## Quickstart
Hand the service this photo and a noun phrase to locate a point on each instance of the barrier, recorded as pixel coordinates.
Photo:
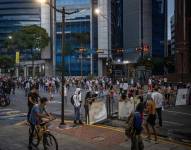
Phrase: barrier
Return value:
(126, 107)
(97, 112)
(182, 97)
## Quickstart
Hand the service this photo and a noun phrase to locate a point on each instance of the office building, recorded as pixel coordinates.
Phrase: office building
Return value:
(183, 36)
(152, 28)
(172, 27)
(15, 14)
(77, 36)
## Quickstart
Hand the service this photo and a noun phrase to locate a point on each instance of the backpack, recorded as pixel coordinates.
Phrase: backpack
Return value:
(72, 99)
(129, 129)
(134, 124)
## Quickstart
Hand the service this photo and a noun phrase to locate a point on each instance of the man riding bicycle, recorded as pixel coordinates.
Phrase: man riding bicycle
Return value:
(37, 114)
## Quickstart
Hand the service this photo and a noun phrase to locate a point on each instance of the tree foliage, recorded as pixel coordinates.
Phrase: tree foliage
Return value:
(6, 62)
(29, 37)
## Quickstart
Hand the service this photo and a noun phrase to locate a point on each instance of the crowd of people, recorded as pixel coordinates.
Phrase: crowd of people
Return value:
(153, 98)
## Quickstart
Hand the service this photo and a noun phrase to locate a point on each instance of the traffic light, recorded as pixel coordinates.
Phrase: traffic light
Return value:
(146, 48)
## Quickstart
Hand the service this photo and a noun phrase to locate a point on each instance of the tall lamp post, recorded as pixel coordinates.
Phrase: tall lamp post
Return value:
(62, 11)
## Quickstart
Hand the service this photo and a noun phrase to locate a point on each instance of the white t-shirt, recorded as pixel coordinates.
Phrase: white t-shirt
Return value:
(158, 99)
(125, 86)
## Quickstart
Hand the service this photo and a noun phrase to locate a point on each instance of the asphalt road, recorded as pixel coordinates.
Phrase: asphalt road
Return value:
(177, 122)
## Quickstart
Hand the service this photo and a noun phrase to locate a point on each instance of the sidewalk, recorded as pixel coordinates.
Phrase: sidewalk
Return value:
(85, 137)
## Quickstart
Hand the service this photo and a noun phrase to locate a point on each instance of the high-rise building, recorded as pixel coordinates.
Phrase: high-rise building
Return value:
(131, 24)
(172, 25)
(151, 29)
(15, 14)
(110, 34)
(77, 36)
(183, 36)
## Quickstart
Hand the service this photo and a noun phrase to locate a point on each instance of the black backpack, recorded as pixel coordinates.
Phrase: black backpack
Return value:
(72, 100)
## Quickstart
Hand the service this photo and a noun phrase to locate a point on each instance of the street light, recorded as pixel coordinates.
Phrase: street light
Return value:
(97, 11)
(10, 37)
(62, 11)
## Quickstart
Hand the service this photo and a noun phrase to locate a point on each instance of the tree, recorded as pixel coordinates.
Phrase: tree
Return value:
(6, 62)
(28, 38)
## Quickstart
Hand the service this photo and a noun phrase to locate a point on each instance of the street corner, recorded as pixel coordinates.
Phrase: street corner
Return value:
(100, 136)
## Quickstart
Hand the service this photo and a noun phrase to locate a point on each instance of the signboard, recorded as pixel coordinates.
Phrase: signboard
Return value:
(127, 107)
(97, 112)
(182, 97)
(17, 58)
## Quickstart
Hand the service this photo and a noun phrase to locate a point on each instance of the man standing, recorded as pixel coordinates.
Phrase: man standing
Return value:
(32, 100)
(125, 87)
(158, 99)
(77, 105)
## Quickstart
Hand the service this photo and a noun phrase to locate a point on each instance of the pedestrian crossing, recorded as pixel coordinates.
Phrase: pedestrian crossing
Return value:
(9, 113)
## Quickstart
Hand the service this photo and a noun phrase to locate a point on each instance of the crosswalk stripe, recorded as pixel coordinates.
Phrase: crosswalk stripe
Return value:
(8, 113)
(5, 109)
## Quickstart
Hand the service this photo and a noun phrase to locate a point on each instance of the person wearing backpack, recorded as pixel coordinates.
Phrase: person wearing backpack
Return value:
(134, 129)
(76, 102)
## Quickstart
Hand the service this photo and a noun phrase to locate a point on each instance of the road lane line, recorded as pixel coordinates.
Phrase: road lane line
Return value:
(174, 123)
(177, 112)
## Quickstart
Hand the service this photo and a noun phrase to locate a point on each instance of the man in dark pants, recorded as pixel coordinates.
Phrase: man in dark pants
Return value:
(32, 100)
(159, 100)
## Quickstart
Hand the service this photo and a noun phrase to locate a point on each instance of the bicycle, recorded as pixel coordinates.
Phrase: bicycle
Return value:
(41, 133)
(4, 100)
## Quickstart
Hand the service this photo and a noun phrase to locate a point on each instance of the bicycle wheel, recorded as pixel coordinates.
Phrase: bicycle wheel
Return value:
(8, 101)
(3, 102)
(36, 137)
(49, 142)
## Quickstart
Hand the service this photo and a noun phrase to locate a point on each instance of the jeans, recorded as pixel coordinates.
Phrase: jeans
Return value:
(137, 142)
(31, 134)
(159, 114)
(29, 112)
(77, 113)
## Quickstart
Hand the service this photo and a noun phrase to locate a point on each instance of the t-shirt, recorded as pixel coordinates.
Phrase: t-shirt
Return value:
(151, 108)
(34, 119)
(34, 97)
(158, 99)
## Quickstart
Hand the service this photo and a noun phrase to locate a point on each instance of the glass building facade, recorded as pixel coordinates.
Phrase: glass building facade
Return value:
(77, 35)
(15, 14)
(158, 28)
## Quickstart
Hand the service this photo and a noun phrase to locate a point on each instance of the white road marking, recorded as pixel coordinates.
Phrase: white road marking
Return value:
(55, 102)
(5, 109)
(173, 123)
(10, 114)
(177, 112)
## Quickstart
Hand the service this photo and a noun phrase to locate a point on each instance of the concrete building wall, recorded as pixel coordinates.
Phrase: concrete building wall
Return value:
(48, 23)
(182, 34)
(104, 33)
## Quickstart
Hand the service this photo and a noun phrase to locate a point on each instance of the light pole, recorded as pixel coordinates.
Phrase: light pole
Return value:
(62, 11)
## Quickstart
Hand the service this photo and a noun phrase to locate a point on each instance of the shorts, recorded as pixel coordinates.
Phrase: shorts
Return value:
(151, 119)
